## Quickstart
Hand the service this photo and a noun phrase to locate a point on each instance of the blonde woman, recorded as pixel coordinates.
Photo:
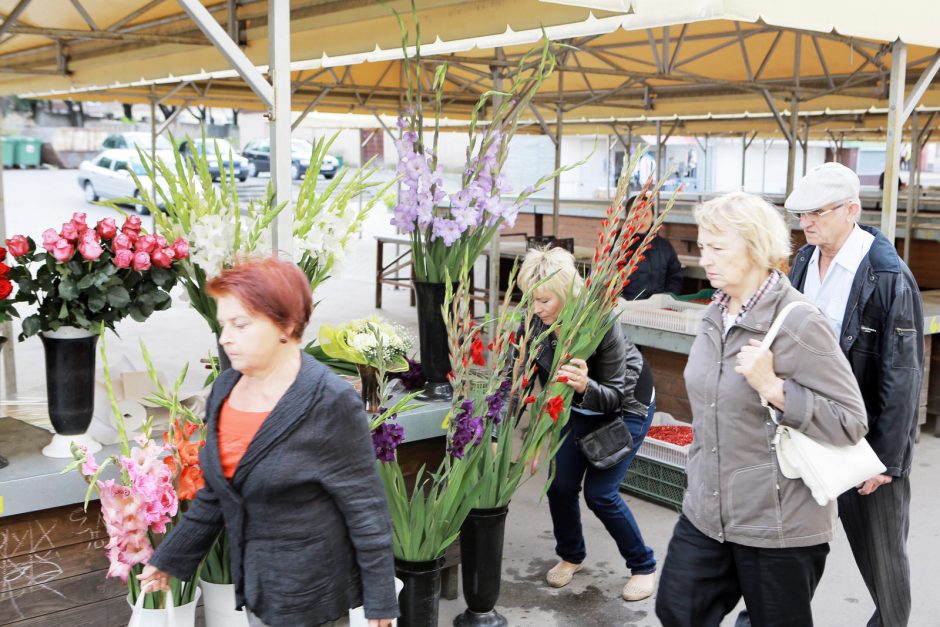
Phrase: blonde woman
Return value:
(614, 382)
(745, 529)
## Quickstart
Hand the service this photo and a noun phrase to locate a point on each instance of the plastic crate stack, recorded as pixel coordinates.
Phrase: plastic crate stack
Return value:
(658, 472)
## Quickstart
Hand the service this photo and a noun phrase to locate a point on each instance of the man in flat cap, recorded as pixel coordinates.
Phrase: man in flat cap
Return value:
(854, 275)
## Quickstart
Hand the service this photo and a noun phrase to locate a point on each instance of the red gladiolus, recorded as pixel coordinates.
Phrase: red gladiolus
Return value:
(18, 245)
(450, 375)
(529, 400)
(588, 282)
(476, 352)
(512, 337)
(190, 482)
(525, 382)
(563, 379)
(555, 406)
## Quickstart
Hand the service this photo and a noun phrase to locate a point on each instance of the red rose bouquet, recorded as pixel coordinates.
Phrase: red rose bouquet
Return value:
(6, 289)
(83, 275)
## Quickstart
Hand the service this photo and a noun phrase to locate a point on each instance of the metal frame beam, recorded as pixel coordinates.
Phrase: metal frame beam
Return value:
(240, 62)
(103, 35)
(889, 201)
(921, 87)
(11, 18)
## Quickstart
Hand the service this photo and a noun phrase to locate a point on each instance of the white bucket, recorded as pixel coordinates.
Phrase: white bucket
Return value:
(182, 616)
(219, 604)
(357, 615)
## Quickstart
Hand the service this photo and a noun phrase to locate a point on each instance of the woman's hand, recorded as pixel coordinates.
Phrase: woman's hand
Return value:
(756, 365)
(380, 622)
(575, 374)
(153, 579)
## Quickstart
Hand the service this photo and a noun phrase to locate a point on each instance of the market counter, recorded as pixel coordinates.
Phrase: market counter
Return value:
(667, 353)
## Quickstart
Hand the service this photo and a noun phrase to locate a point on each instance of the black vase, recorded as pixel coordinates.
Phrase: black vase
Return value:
(432, 336)
(70, 386)
(481, 564)
(420, 598)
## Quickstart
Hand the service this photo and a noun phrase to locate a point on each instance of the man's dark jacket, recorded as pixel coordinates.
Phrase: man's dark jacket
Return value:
(305, 512)
(659, 273)
(883, 337)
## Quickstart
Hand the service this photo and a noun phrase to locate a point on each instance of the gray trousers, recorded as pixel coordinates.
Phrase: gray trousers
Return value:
(254, 621)
(877, 526)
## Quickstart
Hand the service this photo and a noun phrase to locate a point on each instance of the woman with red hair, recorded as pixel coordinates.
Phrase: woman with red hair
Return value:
(289, 469)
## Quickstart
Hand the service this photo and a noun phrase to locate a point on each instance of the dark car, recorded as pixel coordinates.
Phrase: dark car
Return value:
(258, 153)
(239, 164)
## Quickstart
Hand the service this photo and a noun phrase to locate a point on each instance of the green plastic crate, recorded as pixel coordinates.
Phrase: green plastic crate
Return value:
(28, 150)
(656, 481)
(8, 145)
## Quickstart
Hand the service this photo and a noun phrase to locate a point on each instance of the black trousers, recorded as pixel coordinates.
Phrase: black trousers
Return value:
(703, 579)
(877, 526)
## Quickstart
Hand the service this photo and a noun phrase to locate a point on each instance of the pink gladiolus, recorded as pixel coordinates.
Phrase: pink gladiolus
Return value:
(145, 244)
(89, 466)
(126, 526)
(18, 245)
(180, 248)
(63, 250)
(107, 228)
(122, 242)
(162, 258)
(70, 231)
(123, 258)
(141, 261)
(89, 248)
(49, 238)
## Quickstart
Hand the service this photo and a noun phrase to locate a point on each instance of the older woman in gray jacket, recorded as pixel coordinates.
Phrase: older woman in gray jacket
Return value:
(745, 529)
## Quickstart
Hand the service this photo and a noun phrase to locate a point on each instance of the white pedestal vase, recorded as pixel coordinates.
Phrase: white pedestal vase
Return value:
(219, 604)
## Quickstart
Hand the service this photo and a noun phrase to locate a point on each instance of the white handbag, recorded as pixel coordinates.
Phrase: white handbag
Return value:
(826, 469)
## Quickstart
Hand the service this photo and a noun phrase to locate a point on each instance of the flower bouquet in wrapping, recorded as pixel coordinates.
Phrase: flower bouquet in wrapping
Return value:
(153, 486)
(7, 311)
(497, 409)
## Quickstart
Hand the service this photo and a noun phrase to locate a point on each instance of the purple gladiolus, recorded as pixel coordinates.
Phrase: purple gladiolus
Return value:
(448, 230)
(467, 430)
(386, 438)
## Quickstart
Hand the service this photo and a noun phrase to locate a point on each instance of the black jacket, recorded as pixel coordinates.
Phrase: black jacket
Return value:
(883, 337)
(305, 512)
(659, 273)
(620, 379)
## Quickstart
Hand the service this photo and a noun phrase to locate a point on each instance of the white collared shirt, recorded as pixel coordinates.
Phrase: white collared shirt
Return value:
(831, 294)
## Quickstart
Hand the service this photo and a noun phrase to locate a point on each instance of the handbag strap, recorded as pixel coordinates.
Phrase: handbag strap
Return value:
(772, 335)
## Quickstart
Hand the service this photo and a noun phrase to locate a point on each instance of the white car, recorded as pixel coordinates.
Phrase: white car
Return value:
(109, 176)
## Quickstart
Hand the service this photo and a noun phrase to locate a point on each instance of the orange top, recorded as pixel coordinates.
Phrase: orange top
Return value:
(237, 428)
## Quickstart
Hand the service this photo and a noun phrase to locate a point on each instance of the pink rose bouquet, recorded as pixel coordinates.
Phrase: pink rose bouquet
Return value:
(83, 275)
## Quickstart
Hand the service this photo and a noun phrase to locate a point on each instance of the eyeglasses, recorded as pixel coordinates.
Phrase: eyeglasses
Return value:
(815, 215)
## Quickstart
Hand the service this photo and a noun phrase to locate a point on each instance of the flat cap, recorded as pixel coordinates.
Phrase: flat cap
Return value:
(825, 184)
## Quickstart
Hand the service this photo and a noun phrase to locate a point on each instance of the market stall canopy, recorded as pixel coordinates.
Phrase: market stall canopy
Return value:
(714, 65)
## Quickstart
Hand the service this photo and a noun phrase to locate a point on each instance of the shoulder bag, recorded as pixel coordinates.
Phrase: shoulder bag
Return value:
(607, 445)
(826, 469)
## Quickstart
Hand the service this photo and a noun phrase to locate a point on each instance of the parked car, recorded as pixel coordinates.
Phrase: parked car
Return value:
(133, 140)
(258, 153)
(239, 164)
(109, 176)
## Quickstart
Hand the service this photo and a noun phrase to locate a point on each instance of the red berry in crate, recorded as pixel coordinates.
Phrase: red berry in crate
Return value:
(679, 435)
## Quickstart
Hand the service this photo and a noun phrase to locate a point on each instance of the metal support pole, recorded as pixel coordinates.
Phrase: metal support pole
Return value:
(153, 129)
(912, 191)
(6, 329)
(704, 168)
(659, 161)
(805, 146)
(493, 300)
(279, 62)
(744, 144)
(889, 201)
(793, 141)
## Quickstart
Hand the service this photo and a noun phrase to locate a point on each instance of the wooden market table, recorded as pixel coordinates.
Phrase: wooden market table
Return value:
(52, 552)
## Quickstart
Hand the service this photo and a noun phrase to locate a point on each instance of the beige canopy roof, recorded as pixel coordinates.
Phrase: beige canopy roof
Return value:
(714, 66)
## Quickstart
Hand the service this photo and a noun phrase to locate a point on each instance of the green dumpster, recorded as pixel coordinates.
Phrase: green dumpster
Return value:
(339, 162)
(28, 150)
(8, 146)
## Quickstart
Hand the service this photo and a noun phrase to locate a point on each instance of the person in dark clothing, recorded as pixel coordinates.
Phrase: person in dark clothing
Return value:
(661, 271)
(289, 469)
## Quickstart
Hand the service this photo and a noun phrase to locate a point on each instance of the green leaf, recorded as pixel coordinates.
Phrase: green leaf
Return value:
(87, 281)
(96, 302)
(68, 290)
(118, 297)
(31, 325)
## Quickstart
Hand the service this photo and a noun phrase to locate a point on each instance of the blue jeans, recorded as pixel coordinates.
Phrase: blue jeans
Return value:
(602, 494)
